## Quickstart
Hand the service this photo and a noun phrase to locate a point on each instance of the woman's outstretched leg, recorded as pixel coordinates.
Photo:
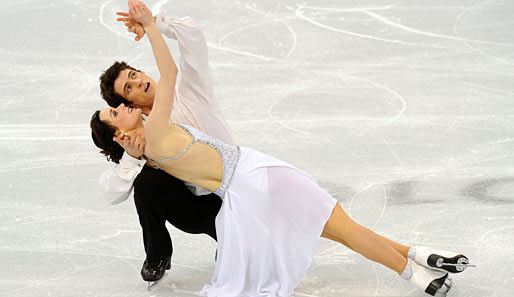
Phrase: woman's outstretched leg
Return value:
(328, 236)
(400, 248)
(342, 228)
(296, 191)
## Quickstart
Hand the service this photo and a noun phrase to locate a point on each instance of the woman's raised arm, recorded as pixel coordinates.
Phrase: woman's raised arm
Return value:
(158, 119)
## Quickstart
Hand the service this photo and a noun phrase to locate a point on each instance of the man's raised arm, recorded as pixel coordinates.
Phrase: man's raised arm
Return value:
(195, 81)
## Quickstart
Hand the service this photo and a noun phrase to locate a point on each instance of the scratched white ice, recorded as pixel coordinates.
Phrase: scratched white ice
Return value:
(403, 110)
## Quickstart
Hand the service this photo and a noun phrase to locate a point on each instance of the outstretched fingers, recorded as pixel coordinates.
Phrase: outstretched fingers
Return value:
(128, 19)
(132, 142)
(132, 10)
(139, 12)
(140, 143)
(119, 139)
(135, 9)
(143, 6)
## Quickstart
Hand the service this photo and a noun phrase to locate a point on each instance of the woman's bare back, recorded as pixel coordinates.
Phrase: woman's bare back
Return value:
(200, 164)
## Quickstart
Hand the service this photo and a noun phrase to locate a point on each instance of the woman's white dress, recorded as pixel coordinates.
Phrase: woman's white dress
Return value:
(269, 224)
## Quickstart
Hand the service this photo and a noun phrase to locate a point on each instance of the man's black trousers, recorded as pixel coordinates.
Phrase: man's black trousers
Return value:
(160, 197)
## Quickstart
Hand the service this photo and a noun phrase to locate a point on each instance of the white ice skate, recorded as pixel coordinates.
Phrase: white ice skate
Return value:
(432, 282)
(439, 260)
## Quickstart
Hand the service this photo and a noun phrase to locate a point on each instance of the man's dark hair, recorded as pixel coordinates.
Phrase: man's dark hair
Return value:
(102, 134)
(107, 84)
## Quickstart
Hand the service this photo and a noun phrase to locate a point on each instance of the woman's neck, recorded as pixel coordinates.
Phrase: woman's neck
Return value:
(140, 130)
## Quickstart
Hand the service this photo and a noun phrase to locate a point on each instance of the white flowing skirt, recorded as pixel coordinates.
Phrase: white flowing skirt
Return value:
(268, 228)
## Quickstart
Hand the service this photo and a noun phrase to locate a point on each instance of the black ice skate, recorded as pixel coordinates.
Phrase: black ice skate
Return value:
(432, 282)
(152, 272)
(440, 260)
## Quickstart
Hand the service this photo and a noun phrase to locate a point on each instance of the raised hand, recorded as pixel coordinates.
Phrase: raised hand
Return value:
(132, 25)
(132, 142)
(140, 12)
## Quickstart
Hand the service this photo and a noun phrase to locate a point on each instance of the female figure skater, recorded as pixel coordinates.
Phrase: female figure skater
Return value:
(273, 214)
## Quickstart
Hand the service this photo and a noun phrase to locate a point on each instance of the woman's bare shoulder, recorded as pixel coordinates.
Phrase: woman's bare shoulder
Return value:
(167, 143)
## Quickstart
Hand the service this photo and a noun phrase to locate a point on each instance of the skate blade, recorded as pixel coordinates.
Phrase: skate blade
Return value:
(455, 264)
(445, 288)
(151, 285)
(459, 265)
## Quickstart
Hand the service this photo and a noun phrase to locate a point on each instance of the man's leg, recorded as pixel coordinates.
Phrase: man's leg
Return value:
(194, 214)
(152, 215)
(210, 207)
(150, 202)
(160, 197)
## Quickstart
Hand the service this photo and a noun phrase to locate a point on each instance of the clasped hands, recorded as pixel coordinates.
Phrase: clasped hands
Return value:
(129, 18)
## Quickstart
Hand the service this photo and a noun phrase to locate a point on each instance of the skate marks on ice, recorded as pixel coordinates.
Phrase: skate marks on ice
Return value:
(314, 15)
(476, 13)
(277, 46)
(494, 191)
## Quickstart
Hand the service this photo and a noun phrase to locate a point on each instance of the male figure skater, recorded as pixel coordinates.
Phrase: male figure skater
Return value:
(158, 196)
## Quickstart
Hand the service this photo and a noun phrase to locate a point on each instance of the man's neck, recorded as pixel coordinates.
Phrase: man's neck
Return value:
(146, 110)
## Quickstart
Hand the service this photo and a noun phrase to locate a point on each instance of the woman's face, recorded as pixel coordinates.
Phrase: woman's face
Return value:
(122, 118)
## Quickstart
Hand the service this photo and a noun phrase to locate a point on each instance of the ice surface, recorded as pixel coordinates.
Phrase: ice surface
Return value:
(402, 110)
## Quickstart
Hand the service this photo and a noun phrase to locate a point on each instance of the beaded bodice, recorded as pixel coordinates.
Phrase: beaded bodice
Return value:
(229, 155)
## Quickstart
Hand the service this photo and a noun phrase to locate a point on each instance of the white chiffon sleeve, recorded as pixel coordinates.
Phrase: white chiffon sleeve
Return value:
(116, 183)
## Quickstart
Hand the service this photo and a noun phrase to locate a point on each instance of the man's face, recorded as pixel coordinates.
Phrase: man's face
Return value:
(136, 87)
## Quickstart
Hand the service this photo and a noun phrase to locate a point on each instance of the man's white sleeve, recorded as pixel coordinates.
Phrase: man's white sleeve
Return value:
(195, 79)
(116, 184)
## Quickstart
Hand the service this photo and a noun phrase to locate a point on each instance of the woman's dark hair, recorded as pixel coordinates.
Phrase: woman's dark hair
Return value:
(102, 134)
(107, 84)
